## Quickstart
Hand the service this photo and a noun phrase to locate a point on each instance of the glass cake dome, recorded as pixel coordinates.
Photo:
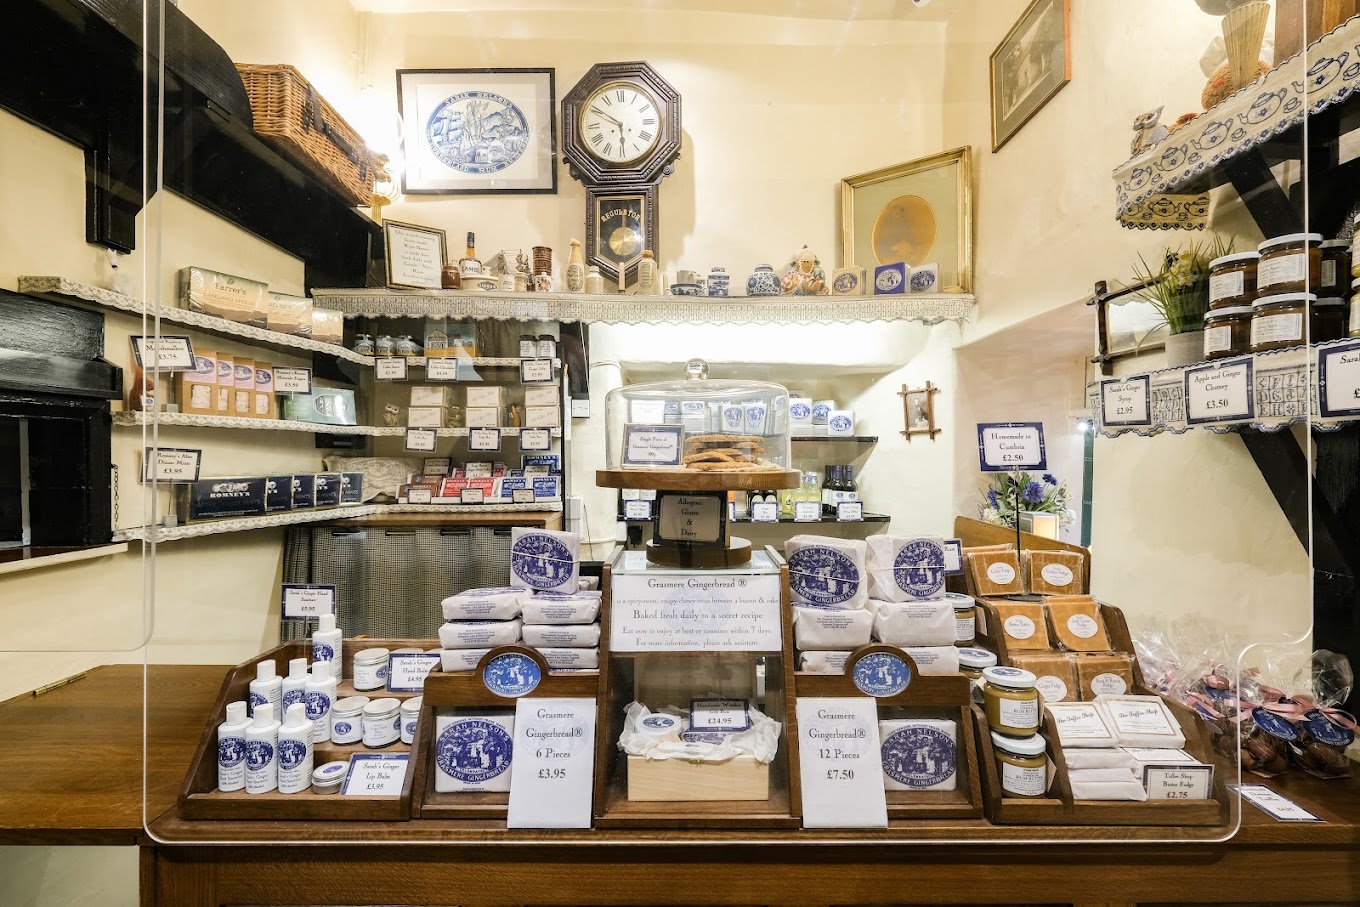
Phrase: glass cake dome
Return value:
(699, 426)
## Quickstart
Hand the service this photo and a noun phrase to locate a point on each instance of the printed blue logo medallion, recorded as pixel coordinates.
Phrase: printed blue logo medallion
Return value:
(800, 412)
(660, 722)
(881, 674)
(823, 575)
(343, 727)
(322, 652)
(888, 280)
(511, 674)
(1324, 731)
(922, 281)
(820, 411)
(919, 569)
(477, 132)
(318, 704)
(541, 561)
(1274, 725)
(473, 750)
(845, 283)
(291, 753)
(231, 751)
(259, 753)
(289, 698)
(257, 700)
(919, 756)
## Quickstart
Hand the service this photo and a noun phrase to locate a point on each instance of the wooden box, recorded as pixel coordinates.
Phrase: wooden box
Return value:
(466, 689)
(679, 780)
(200, 798)
(927, 696)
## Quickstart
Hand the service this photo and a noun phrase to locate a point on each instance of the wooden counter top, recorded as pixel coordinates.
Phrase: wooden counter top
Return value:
(71, 756)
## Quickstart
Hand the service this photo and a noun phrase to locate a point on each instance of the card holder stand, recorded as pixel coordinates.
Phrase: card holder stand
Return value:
(622, 674)
(1060, 808)
(200, 799)
(926, 696)
(468, 690)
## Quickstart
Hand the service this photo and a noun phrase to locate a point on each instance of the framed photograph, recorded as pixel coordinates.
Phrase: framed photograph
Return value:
(918, 411)
(415, 257)
(478, 131)
(920, 212)
(1030, 66)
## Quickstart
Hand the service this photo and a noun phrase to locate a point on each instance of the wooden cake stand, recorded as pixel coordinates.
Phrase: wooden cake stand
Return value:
(691, 528)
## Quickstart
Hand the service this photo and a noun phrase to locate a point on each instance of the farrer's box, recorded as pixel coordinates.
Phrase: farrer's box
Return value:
(224, 296)
(482, 416)
(325, 405)
(540, 395)
(492, 395)
(426, 416)
(212, 499)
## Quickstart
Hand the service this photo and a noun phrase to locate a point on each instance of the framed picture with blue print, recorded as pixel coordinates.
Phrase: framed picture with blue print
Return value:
(478, 131)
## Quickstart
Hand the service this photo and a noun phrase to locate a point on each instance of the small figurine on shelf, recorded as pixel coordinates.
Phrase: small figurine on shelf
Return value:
(1148, 130)
(804, 276)
(391, 414)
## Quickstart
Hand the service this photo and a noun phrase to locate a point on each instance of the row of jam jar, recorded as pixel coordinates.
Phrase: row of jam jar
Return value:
(1259, 301)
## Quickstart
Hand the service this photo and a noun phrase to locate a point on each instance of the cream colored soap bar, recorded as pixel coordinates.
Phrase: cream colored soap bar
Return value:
(1082, 725)
(1142, 721)
(425, 416)
(482, 417)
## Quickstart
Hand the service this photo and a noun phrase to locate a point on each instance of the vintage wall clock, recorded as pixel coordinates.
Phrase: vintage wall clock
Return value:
(621, 138)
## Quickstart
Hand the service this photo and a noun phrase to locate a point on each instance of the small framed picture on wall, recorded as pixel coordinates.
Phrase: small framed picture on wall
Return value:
(415, 255)
(478, 131)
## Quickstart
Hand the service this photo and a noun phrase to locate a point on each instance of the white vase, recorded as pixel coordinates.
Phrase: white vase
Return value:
(1184, 349)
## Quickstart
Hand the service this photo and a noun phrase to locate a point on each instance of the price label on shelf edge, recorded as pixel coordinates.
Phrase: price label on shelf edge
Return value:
(389, 368)
(1126, 402)
(1220, 392)
(1339, 381)
(440, 369)
(292, 380)
(301, 600)
(840, 763)
(1004, 446)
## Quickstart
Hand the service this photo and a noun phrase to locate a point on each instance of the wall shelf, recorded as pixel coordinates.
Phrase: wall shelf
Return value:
(62, 290)
(836, 439)
(616, 308)
(193, 420)
(330, 514)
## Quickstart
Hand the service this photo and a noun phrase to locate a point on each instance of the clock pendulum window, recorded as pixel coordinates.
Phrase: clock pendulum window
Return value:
(621, 138)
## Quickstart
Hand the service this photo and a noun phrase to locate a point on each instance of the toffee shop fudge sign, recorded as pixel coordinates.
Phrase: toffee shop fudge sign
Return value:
(695, 612)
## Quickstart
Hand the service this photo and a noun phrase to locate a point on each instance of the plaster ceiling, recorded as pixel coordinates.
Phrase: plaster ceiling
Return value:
(839, 10)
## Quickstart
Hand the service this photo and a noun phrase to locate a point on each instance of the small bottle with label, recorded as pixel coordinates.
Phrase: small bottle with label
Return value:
(295, 751)
(576, 269)
(319, 695)
(594, 281)
(295, 684)
(469, 265)
(646, 274)
(267, 687)
(829, 491)
(262, 756)
(327, 641)
(231, 748)
(849, 490)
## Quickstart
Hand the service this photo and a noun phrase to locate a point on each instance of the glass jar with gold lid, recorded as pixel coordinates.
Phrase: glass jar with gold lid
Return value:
(1011, 700)
(1022, 763)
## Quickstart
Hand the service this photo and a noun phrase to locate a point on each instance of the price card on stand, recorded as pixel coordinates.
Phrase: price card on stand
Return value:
(439, 369)
(765, 512)
(420, 438)
(1004, 446)
(292, 380)
(484, 439)
(390, 368)
(840, 763)
(807, 512)
(535, 371)
(375, 776)
(302, 601)
(637, 510)
(1339, 380)
(406, 671)
(169, 354)
(850, 512)
(1221, 392)
(690, 518)
(1178, 782)
(1126, 401)
(553, 772)
(535, 439)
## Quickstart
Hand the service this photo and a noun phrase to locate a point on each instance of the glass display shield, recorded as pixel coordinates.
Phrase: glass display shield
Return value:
(1039, 564)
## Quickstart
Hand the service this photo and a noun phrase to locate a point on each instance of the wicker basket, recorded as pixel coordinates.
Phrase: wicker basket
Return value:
(292, 116)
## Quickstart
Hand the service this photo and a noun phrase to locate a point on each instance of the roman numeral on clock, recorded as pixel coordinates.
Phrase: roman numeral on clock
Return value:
(645, 135)
(596, 139)
(609, 148)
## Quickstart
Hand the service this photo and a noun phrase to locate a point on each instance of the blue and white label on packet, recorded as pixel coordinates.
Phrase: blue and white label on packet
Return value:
(511, 674)
(231, 751)
(541, 561)
(1325, 731)
(841, 424)
(918, 569)
(920, 756)
(881, 674)
(822, 575)
(473, 750)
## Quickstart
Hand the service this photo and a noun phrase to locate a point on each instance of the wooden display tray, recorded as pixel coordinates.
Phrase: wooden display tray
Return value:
(1061, 809)
(619, 672)
(1116, 627)
(945, 696)
(698, 480)
(465, 689)
(200, 799)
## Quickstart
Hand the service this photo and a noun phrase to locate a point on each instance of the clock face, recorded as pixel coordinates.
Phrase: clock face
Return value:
(620, 123)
